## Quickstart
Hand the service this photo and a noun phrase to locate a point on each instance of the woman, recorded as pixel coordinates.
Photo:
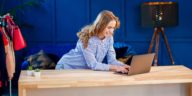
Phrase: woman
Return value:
(95, 42)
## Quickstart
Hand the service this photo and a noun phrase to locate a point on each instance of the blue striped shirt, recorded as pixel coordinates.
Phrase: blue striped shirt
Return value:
(90, 57)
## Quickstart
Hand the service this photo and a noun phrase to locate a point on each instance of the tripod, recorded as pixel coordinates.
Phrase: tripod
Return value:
(156, 36)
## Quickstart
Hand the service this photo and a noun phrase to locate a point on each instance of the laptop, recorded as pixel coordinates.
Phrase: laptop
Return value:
(141, 64)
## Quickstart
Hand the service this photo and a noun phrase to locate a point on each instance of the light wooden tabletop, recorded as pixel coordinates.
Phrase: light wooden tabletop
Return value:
(88, 78)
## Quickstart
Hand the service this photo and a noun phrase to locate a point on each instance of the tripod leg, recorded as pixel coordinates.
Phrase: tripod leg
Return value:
(156, 49)
(152, 41)
(167, 46)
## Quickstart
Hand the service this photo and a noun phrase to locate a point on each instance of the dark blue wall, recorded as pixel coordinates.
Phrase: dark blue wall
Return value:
(57, 22)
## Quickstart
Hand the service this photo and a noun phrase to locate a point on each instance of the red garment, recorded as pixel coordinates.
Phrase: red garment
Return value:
(18, 40)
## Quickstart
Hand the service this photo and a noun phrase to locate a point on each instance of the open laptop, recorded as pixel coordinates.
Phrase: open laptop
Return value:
(141, 63)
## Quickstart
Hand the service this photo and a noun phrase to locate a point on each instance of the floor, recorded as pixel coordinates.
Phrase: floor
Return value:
(6, 92)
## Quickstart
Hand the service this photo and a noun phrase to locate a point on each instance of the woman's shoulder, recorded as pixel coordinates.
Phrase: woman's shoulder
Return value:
(110, 39)
(94, 39)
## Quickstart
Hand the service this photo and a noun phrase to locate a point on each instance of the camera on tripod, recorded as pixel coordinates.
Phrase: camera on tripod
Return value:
(159, 15)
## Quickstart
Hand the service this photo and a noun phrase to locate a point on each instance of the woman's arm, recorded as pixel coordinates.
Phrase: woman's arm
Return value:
(60, 64)
(115, 64)
(89, 54)
(111, 55)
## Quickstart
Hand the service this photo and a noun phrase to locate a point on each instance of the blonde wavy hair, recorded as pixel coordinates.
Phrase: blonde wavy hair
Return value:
(98, 26)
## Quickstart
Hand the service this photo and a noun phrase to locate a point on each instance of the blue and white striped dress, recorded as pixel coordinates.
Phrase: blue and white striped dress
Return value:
(90, 57)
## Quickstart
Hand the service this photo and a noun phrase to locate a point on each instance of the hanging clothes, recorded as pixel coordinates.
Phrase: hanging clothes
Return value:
(15, 33)
(13, 40)
(9, 53)
(3, 70)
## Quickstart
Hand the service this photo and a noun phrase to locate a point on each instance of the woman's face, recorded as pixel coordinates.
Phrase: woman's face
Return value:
(108, 31)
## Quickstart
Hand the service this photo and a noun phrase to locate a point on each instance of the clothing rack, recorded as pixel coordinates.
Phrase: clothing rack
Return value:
(12, 40)
(9, 52)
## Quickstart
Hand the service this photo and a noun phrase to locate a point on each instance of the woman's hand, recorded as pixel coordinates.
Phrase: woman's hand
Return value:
(122, 69)
(127, 67)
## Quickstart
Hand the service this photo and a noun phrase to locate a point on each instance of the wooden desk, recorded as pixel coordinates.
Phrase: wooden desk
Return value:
(161, 81)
